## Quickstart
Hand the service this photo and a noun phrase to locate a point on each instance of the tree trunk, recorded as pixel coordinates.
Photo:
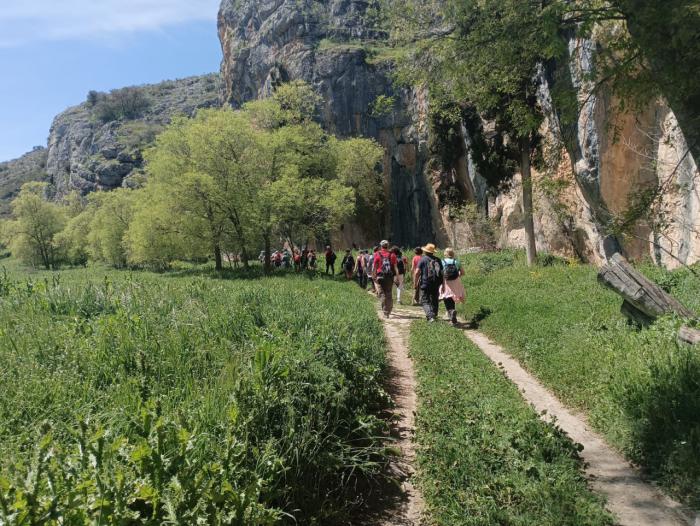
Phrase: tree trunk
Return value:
(245, 258)
(217, 257)
(531, 246)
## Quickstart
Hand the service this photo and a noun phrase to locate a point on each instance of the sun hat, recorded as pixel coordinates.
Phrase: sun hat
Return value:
(430, 248)
(384, 243)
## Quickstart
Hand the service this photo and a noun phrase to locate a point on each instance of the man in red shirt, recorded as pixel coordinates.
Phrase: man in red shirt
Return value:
(384, 272)
(416, 274)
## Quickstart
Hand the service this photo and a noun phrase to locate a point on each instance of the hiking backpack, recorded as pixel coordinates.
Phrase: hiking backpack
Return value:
(434, 274)
(385, 270)
(368, 264)
(401, 265)
(451, 271)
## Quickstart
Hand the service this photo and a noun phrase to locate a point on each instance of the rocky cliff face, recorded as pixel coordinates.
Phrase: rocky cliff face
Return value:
(605, 158)
(266, 42)
(98, 145)
(13, 174)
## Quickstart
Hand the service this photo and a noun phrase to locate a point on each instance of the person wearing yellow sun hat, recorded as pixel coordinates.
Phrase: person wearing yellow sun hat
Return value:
(431, 278)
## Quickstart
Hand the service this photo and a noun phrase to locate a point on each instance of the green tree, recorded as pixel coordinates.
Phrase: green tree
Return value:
(488, 53)
(111, 216)
(31, 235)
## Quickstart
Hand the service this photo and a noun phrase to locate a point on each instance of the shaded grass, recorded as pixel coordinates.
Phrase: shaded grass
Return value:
(638, 387)
(484, 456)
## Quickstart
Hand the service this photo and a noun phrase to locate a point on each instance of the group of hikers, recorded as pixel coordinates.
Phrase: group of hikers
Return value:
(385, 268)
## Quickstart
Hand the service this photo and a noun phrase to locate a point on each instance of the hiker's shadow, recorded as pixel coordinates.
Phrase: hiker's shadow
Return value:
(475, 321)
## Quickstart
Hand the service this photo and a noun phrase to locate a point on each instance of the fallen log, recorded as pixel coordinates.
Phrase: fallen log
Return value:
(689, 335)
(639, 292)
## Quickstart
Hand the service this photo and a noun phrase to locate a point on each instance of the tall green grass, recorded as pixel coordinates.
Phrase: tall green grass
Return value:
(484, 455)
(138, 398)
(638, 387)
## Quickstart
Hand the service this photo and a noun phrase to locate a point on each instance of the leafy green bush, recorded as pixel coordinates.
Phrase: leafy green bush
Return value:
(124, 103)
(485, 457)
(151, 399)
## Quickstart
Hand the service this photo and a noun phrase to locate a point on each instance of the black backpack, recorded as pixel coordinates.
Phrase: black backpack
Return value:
(434, 274)
(385, 270)
(349, 263)
(451, 271)
(401, 265)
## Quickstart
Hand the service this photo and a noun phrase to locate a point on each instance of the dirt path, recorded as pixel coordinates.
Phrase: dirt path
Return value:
(633, 501)
(402, 506)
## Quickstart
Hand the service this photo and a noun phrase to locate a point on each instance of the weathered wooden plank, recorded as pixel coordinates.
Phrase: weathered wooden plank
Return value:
(689, 335)
(640, 292)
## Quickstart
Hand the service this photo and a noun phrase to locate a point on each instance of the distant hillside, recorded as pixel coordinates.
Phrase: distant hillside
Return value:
(13, 174)
(98, 145)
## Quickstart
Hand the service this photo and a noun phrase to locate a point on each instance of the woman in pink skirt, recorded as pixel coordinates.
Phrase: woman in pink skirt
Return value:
(452, 289)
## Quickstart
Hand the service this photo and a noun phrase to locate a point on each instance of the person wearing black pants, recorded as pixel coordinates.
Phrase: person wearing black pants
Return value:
(430, 271)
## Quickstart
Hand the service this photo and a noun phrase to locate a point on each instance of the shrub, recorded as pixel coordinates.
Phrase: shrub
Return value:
(124, 103)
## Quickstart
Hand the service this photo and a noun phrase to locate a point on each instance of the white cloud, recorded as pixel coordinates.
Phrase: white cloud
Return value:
(25, 21)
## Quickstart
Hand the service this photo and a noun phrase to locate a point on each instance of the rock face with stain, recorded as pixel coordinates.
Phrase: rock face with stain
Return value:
(272, 41)
(607, 155)
(87, 153)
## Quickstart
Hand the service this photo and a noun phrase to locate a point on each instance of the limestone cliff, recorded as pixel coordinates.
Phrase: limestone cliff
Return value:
(271, 41)
(98, 145)
(605, 158)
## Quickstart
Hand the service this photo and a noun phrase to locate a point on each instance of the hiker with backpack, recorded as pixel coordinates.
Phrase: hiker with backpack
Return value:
(431, 279)
(348, 264)
(330, 260)
(370, 270)
(452, 289)
(401, 265)
(415, 274)
(384, 272)
(360, 269)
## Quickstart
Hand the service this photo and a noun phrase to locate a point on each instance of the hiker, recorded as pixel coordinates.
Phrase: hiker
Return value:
(297, 260)
(286, 258)
(360, 269)
(415, 273)
(312, 260)
(367, 268)
(348, 264)
(452, 289)
(330, 260)
(384, 271)
(401, 265)
(304, 258)
(370, 270)
(431, 278)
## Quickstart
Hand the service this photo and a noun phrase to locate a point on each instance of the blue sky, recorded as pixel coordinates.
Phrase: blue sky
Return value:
(52, 52)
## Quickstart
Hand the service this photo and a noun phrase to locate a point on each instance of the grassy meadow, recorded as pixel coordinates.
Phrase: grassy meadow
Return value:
(139, 398)
(485, 457)
(638, 387)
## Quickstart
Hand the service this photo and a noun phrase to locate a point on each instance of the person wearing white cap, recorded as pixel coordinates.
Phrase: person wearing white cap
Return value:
(384, 272)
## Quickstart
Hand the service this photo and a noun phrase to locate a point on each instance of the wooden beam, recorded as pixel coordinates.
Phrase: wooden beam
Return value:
(689, 335)
(640, 292)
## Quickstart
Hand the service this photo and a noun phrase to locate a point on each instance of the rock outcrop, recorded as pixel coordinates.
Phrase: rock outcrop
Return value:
(272, 41)
(605, 158)
(89, 149)
(13, 174)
